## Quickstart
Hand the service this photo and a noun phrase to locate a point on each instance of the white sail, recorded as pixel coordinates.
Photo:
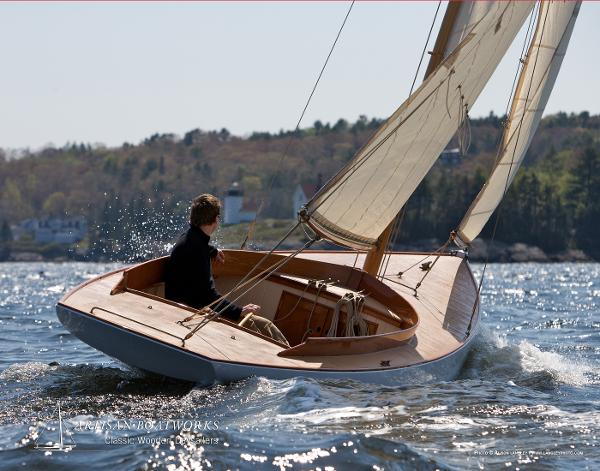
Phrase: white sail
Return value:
(357, 205)
(546, 51)
(460, 18)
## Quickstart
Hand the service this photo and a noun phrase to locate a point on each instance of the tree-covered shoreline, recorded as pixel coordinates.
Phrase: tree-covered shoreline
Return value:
(136, 196)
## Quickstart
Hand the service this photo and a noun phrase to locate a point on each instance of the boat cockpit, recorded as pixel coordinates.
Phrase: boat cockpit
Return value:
(321, 308)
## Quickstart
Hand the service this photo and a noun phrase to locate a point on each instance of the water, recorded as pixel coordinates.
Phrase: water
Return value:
(527, 398)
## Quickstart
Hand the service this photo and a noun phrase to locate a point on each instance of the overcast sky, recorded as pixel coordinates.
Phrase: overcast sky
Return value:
(118, 72)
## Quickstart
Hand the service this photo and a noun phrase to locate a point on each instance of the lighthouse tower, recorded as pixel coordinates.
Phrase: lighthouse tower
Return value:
(233, 204)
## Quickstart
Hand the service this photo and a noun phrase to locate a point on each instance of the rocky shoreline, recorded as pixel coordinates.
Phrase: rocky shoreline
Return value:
(520, 252)
(499, 252)
(480, 251)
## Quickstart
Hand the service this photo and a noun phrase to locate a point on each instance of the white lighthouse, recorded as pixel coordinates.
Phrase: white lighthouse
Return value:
(235, 210)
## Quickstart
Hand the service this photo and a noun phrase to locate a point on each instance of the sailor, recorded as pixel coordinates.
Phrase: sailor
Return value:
(188, 277)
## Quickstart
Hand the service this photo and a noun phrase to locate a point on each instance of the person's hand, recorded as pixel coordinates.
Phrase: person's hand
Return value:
(220, 257)
(248, 308)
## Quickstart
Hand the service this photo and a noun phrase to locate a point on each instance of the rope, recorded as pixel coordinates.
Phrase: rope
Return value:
(335, 319)
(252, 225)
(355, 307)
(464, 130)
(320, 286)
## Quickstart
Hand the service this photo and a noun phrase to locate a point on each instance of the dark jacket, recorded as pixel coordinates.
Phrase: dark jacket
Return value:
(188, 277)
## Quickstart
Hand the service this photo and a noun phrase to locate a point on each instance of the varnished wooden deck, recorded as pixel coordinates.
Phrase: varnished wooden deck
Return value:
(444, 304)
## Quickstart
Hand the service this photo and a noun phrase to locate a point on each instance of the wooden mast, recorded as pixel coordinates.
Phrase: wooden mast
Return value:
(437, 55)
(375, 255)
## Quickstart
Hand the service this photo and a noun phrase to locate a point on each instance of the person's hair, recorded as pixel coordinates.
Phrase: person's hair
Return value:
(205, 210)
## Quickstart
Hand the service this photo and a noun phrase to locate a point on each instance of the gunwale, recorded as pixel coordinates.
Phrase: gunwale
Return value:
(437, 335)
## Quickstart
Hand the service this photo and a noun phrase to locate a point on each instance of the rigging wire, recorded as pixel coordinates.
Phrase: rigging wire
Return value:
(399, 218)
(506, 184)
(346, 172)
(259, 278)
(529, 32)
(242, 282)
(291, 137)
(271, 270)
(520, 65)
(342, 177)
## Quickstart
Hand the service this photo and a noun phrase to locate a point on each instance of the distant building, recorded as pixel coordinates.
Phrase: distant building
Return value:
(236, 208)
(52, 230)
(304, 192)
(451, 156)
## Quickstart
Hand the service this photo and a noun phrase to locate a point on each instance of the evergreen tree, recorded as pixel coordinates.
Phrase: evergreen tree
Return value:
(584, 200)
(5, 240)
(5, 232)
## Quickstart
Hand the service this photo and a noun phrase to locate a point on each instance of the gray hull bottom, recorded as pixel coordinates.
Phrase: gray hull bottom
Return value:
(157, 357)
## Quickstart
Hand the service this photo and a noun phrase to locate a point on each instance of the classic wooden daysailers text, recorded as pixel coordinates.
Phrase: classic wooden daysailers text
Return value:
(342, 321)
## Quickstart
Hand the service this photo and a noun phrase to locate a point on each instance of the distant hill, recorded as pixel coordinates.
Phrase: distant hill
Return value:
(139, 194)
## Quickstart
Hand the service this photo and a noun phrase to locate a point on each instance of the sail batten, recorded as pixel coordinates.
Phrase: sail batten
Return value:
(356, 206)
(556, 20)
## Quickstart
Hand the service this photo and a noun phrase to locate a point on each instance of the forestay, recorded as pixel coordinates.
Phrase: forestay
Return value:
(546, 51)
(357, 205)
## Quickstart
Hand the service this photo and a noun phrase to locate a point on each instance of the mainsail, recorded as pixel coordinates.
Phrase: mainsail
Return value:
(544, 58)
(357, 205)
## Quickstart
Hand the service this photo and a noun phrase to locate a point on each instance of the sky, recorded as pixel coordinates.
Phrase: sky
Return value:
(114, 72)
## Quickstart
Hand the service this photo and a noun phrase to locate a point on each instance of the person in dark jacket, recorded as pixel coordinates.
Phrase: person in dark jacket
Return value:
(188, 277)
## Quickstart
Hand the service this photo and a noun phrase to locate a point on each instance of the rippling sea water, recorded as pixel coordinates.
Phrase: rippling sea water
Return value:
(527, 397)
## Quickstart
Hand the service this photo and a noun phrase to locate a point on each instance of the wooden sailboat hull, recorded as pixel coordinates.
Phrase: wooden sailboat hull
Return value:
(160, 358)
(141, 330)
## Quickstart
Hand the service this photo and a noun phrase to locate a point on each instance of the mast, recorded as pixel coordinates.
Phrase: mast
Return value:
(453, 26)
(358, 204)
(60, 425)
(375, 255)
(439, 50)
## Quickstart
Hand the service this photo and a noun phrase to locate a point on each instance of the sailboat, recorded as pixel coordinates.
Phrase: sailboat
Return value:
(364, 313)
(60, 446)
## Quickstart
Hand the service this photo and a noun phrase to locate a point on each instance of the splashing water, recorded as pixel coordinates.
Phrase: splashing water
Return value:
(137, 230)
(527, 398)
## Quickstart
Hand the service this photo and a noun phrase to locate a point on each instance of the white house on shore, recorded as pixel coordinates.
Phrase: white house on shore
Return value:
(52, 230)
(236, 208)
